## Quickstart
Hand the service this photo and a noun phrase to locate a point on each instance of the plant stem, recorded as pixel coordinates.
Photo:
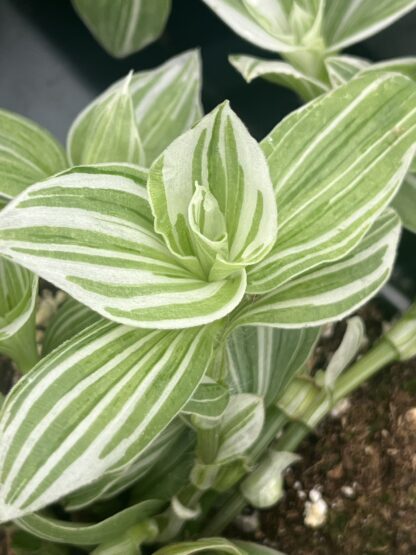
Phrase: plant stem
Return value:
(320, 405)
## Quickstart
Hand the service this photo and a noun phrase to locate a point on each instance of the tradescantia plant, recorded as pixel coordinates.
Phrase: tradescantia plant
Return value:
(309, 36)
(199, 268)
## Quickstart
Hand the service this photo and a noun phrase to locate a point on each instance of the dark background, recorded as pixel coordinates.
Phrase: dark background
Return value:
(51, 67)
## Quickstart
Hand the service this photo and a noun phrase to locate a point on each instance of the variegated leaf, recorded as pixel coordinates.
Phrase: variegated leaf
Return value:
(236, 15)
(60, 531)
(336, 163)
(167, 101)
(350, 21)
(90, 232)
(106, 131)
(28, 153)
(71, 318)
(332, 291)
(241, 425)
(112, 484)
(343, 68)
(124, 26)
(263, 360)
(212, 196)
(209, 400)
(405, 202)
(165, 104)
(18, 294)
(91, 407)
(280, 73)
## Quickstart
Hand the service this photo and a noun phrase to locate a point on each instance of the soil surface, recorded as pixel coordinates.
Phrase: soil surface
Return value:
(363, 462)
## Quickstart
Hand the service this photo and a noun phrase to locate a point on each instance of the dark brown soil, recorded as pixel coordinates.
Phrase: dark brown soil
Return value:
(364, 464)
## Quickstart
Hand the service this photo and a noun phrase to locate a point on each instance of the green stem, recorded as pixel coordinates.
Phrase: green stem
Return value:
(320, 405)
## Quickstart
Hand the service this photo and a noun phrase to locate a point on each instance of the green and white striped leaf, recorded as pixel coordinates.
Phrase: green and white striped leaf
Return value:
(107, 131)
(165, 103)
(124, 26)
(71, 318)
(280, 73)
(28, 153)
(60, 531)
(18, 294)
(342, 69)
(263, 360)
(240, 427)
(405, 202)
(91, 407)
(349, 21)
(212, 196)
(336, 163)
(209, 400)
(236, 15)
(217, 546)
(332, 291)
(112, 484)
(89, 231)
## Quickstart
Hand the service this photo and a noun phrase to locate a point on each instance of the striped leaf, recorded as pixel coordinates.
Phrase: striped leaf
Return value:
(333, 291)
(59, 531)
(106, 131)
(349, 21)
(280, 73)
(209, 400)
(112, 484)
(343, 68)
(236, 15)
(18, 294)
(71, 318)
(240, 427)
(335, 165)
(405, 202)
(89, 231)
(28, 153)
(124, 26)
(165, 104)
(91, 407)
(167, 101)
(212, 197)
(263, 360)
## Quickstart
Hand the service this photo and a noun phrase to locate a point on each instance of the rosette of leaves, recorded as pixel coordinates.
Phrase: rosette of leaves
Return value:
(309, 35)
(220, 232)
(123, 27)
(305, 33)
